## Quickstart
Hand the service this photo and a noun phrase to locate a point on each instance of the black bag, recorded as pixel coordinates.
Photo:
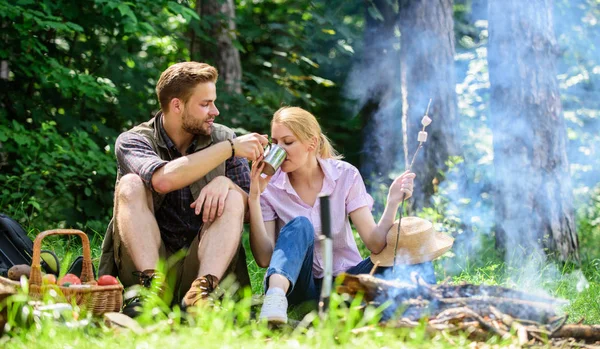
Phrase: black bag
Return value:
(17, 248)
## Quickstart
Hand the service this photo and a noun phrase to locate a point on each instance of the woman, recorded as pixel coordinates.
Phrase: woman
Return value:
(284, 214)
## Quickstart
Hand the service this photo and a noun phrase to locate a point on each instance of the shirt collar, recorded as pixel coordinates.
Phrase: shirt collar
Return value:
(281, 179)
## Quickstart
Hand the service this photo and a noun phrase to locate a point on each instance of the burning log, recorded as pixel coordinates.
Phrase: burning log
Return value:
(419, 300)
(527, 310)
(479, 310)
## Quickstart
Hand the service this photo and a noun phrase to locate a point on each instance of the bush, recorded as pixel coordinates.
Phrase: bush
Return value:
(50, 180)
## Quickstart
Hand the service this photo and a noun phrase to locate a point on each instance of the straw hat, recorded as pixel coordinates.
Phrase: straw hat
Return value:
(418, 243)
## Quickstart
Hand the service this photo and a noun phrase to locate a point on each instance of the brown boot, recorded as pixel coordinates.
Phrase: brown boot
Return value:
(150, 275)
(134, 299)
(200, 291)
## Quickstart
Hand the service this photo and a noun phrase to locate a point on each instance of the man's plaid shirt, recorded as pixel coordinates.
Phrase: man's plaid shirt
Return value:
(176, 220)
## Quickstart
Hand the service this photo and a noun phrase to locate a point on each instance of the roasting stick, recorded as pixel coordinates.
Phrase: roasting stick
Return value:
(422, 138)
(327, 255)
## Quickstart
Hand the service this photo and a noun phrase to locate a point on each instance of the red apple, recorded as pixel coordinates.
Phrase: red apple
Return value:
(107, 280)
(72, 279)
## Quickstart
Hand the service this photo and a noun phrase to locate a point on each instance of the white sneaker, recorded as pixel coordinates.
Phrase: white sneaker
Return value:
(274, 309)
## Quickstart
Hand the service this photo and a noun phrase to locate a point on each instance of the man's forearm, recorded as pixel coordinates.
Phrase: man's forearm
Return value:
(183, 171)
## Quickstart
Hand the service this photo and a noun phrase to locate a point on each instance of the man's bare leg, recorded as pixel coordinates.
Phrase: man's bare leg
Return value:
(220, 241)
(136, 223)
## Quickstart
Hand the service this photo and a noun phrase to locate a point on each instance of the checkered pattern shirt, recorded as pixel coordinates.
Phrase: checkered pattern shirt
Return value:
(176, 220)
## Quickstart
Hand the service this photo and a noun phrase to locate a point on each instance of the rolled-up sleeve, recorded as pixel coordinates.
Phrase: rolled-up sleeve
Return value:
(357, 194)
(238, 171)
(135, 155)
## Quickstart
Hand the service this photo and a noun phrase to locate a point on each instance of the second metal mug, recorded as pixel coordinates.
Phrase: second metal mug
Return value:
(273, 159)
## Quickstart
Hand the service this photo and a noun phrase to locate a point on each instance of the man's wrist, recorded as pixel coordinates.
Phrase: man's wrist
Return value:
(232, 148)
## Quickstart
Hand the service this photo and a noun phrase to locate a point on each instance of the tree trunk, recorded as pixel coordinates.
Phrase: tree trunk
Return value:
(218, 22)
(532, 194)
(382, 129)
(427, 68)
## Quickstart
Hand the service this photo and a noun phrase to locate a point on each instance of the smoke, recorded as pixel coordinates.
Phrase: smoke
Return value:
(473, 199)
(373, 84)
(375, 74)
(464, 199)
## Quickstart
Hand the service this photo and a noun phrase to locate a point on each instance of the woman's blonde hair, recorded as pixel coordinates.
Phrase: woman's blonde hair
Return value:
(305, 126)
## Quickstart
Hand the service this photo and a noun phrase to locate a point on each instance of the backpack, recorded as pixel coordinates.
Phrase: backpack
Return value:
(17, 248)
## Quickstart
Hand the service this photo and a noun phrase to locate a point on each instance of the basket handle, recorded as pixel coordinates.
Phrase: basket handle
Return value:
(35, 278)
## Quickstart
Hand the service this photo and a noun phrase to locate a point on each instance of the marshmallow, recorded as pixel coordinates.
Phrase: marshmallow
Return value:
(426, 121)
(422, 136)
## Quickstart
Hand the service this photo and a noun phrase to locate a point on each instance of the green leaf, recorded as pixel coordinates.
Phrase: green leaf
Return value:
(346, 47)
(239, 46)
(184, 11)
(75, 27)
(20, 139)
(35, 204)
(148, 28)
(394, 5)
(322, 81)
(375, 13)
(307, 60)
(126, 11)
(87, 191)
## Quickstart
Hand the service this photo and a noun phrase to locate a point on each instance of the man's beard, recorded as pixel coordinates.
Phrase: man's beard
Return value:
(193, 126)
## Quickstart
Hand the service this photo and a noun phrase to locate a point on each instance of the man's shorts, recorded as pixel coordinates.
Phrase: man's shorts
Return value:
(182, 267)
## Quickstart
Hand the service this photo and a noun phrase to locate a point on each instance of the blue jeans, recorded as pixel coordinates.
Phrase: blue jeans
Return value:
(293, 259)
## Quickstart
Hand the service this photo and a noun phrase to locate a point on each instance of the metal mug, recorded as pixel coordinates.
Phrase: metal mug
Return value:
(273, 159)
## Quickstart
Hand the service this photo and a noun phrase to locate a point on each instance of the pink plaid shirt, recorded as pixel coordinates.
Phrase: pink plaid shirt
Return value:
(346, 189)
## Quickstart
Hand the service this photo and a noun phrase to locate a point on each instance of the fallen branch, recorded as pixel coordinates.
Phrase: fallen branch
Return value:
(588, 333)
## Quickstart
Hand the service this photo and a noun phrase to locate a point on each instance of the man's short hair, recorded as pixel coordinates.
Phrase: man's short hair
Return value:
(180, 79)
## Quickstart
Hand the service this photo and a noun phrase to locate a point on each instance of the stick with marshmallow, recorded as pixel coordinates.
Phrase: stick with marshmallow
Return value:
(422, 137)
(422, 134)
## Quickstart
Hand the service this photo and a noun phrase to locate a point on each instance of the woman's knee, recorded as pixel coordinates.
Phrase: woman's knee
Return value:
(300, 227)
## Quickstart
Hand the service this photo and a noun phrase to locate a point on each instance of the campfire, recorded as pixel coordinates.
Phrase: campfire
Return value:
(480, 311)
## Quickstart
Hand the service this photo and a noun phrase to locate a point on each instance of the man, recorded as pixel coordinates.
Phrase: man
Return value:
(182, 183)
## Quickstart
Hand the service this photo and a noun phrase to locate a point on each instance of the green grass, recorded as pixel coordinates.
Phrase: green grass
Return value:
(232, 323)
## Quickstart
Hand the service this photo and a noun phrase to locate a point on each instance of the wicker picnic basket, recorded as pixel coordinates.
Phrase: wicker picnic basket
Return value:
(5, 292)
(88, 295)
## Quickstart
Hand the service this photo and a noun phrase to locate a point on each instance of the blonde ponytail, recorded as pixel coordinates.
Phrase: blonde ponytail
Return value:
(326, 150)
(305, 127)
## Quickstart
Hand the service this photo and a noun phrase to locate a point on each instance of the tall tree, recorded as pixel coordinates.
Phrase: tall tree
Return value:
(427, 69)
(218, 28)
(532, 195)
